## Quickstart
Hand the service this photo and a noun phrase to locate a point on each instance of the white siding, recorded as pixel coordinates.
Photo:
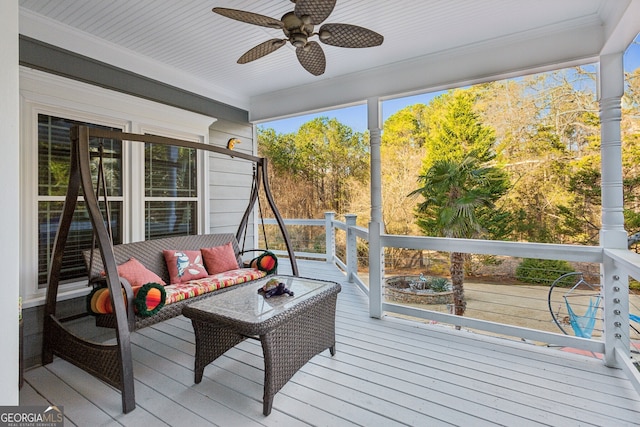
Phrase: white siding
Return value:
(230, 180)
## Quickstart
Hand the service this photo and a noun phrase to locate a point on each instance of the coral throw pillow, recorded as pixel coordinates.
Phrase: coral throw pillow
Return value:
(137, 274)
(184, 265)
(219, 259)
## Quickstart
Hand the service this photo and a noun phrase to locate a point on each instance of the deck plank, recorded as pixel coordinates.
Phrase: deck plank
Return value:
(390, 371)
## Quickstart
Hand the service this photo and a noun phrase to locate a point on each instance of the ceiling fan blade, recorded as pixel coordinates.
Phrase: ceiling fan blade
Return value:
(312, 58)
(261, 50)
(317, 10)
(249, 17)
(346, 35)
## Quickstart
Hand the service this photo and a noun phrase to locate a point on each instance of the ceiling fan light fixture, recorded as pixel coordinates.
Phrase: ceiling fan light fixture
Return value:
(298, 39)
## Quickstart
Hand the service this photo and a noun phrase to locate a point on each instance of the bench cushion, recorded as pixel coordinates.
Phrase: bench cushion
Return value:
(193, 288)
(149, 252)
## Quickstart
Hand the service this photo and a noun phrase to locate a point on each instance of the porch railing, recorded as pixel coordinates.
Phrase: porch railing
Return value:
(616, 268)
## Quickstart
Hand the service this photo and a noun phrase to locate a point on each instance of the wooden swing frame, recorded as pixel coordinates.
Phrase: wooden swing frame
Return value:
(113, 363)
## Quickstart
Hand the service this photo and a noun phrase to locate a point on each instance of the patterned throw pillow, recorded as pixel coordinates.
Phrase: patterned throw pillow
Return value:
(137, 274)
(219, 259)
(184, 265)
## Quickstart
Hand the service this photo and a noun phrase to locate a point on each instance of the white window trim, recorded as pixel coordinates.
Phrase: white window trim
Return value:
(138, 194)
(43, 93)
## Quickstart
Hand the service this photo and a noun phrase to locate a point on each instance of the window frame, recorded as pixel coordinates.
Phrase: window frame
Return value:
(141, 235)
(43, 93)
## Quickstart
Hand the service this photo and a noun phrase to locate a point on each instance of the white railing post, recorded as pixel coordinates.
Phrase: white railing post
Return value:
(376, 251)
(330, 236)
(615, 283)
(376, 269)
(351, 247)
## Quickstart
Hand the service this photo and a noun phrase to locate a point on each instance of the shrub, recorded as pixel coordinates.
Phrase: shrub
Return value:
(439, 284)
(543, 271)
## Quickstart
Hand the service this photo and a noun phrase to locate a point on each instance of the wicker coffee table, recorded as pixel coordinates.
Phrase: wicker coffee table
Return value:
(291, 329)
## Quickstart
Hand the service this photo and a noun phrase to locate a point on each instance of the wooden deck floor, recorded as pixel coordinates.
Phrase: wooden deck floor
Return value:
(385, 373)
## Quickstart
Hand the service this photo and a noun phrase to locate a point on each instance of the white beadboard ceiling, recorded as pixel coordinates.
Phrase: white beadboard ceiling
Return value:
(428, 44)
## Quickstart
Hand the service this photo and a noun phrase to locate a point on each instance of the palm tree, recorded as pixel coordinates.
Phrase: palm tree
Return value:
(459, 196)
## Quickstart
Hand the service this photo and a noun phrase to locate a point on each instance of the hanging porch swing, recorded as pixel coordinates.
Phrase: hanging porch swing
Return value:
(113, 363)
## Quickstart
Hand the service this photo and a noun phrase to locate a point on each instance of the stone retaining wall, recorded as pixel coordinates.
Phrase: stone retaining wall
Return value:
(408, 296)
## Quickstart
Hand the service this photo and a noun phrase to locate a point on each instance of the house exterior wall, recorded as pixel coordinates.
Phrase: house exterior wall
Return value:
(54, 89)
(230, 180)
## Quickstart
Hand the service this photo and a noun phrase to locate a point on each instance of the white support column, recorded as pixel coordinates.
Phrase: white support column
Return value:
(376, 251)
(351, 247)
(10, 196)
(612, 234)
(330, 236)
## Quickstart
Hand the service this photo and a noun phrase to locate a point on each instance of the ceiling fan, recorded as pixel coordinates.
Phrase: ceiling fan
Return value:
(298, 27)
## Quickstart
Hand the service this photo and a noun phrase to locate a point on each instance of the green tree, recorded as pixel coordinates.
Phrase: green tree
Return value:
(547, 133)
(402, 150)
(458, 194)
(454, 129)
(323, 158)
(460, 182)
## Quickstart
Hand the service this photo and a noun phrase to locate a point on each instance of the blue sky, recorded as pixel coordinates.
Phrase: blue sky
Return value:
(356, 116)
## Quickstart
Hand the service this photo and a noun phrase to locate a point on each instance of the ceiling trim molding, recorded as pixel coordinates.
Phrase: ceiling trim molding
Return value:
(53, 33)
(472, 64)
(52, 59)
(624, 32)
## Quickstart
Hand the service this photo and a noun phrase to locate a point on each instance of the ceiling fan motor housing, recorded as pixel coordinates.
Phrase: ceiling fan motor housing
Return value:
(297, 30)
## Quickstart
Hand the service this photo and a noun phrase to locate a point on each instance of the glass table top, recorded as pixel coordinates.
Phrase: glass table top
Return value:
(244, 303)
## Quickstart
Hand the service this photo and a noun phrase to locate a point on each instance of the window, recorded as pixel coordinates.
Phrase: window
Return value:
(170, 190)
(54, 151)
(152, 190)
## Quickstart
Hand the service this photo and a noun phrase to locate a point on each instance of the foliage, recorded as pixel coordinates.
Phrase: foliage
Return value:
(541, 133)
(542, 271)
(455, 130)
(547, 133)
(427, 283)
(324, 158)
(439, 284)
(402, 146)
(454, 193)
(459, 185)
